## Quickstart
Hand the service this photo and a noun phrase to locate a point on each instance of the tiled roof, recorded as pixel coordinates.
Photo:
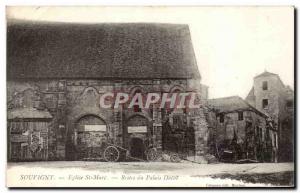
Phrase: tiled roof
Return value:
(28, 113)
(118, 50)
(230, 104)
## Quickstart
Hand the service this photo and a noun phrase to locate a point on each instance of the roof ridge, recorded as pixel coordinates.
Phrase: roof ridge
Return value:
(246, 102)
(266, 73)
(233, 96)
(46, 22)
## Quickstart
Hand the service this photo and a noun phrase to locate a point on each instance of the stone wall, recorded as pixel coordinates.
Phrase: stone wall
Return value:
(249, 138)
(70, 100)
(272, 94)
(277, 95)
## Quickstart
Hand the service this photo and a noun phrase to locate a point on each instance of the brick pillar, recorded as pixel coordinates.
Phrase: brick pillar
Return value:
(201, 129)
(157, 127)
(117, 127)
(118, 118)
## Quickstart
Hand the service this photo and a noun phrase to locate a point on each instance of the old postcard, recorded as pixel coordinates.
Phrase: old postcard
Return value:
(150, 96)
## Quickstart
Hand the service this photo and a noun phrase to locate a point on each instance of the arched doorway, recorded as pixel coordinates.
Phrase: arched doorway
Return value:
(138, 136)
(137, 147)
(89, 137)
(177, 137)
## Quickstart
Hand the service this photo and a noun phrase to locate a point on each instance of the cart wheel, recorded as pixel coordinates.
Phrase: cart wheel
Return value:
(111, 154)
(152, 154)
(175, 158)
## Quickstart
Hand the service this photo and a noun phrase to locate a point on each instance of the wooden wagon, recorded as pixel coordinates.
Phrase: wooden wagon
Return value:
(115, 153)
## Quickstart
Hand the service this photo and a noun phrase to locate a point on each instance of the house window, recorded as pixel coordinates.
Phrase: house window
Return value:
(265, 103)
(265, 85)
(221, 118)
(289, 104)
(241, 116)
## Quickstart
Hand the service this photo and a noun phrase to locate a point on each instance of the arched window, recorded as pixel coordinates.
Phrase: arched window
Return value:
(136, 108)
(176, 90)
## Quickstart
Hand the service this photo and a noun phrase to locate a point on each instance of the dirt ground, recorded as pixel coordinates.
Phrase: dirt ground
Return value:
(274, 174)
(277, 179)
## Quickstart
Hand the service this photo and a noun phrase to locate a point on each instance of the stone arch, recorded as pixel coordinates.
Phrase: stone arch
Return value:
(89, 135)
(84, 117)
(136, 88)
(133, 91)
(79, 110)
(89, 88)
(89, 96)
(139, 115)
(137, 135)
(86, 142)
(90, 118)
(175, 88)
(22, 99)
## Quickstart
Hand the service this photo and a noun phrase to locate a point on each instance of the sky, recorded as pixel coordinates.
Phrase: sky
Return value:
(232, 44)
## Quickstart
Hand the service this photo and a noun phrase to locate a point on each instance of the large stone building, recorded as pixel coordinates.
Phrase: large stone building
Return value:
(272, 97)
(241, 131)
(56, 73)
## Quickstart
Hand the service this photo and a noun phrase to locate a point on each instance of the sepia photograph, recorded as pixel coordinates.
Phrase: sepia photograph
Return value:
(153, 96)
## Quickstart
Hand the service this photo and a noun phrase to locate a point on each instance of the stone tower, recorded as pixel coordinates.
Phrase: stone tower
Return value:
(271, 96)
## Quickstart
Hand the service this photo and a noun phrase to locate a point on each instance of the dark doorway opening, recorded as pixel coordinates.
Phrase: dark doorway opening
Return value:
(137, 148)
